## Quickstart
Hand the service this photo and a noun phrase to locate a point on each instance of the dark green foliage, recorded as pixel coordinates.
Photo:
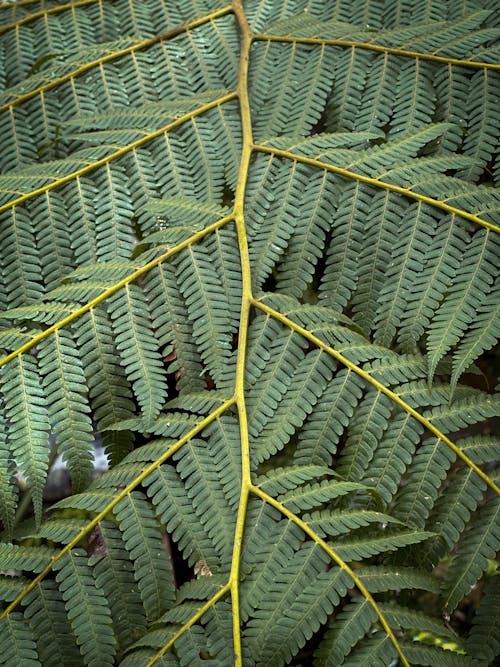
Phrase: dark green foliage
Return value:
(272, 295)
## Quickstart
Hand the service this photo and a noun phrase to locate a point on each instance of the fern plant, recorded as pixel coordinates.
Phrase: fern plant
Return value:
(253, 247)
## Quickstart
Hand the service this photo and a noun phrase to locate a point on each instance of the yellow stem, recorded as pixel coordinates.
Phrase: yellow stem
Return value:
(376, 47)
(44, 12)
(122, 151)
(114, 288)
(196, 617)
(116, 499)
(382, 388)
(378, 184)
(139, 46)
(246, 297)
(337, 559)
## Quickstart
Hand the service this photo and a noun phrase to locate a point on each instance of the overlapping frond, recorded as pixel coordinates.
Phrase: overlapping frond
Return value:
(250, 248)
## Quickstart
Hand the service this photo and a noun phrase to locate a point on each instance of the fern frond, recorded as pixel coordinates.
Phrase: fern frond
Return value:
(482, 449)
(221, 435)
(482, 335)
(26, 412)
(109, 390)
(421, 654)
(472, 286)
(138, 349)
(308, 496)
(383, 578)
(441, 264)
(470, 561)
(366, 430)
(285, 354)
(237, 242)
(407, 259)
(453, 507)
(268, 555)
(341, 271)
(282, 480)
(482, 127)
(424, 477)
(306, 245)
(143, 540)
(322, 431)
(114, 574)
(207, 308)
(392, 456)
(349, 626)
(483, 641)
(19, 261)
(11, 587)
(46, 616)
(203, 481)
(31, 559)
(291, 611)
(373, 651)
(16, 642)
(175, 511)
(87, 609)
(406, 618)
(358, 548)
(63, 378)
(8, 485)
(310, 380)
(276, 108)
(173, 329)
(327, 523)
(464, 411)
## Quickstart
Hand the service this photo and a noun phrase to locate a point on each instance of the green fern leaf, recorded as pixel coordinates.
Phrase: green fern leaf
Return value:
(481, 134)
(331, 414)
(174, 329)
(481, 449)
(203, 482)
(143, 540)
(8, 486)
(374, 651)
(403, 617)
(421, 654)
(87, 609)
(366, 428)
(392, 456)
(63, 376)
(298, 608)
(453, 507)
(16, 642)
(481, 336)
(308, 496)
(358, 548)
(47, 619)
(31, 559)
(349, 626)
(25, 409)
(455, 313)
(309, 381)
(327, 523)
(109, 390)
(483, 640)
(470, 560)
(138, 349)
(424, 477)
(207, 308)
(381, 578)
(249, 247)
(174, 509)
(407, 260)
